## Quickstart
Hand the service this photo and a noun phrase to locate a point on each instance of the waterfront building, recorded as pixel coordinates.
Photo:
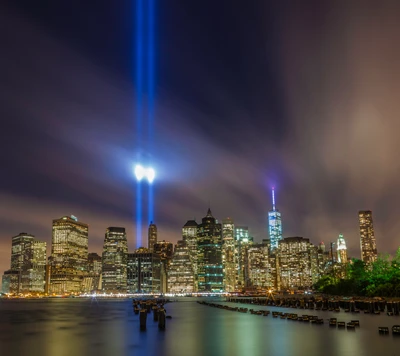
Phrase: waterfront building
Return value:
(151, 236)
(10, 282)
(114, 260)
(260, 269)
(28, 263)
(189, 235)
(274, 224)
(295, 263)
(229, 255)
(243, 240)
(369, 252)
(69, 253)
(209, 255)
(95, 269)
(144, 271)
(180, 271)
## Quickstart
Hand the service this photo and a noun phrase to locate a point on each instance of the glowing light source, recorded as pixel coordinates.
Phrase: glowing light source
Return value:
(143, 172)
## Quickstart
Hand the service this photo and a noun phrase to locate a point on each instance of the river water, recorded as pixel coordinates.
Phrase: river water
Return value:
(73, 327)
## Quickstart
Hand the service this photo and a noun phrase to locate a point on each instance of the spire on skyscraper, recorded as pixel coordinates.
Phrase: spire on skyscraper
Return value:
(273, 199)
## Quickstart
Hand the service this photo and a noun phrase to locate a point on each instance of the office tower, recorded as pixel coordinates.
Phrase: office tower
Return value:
(274, 224)
(209, 255)
(295, 265)
(321, 246)
(144, 271)
(369, 253)
(69, 255)
(243, 240)
(11, 282)
(28, 263)
(94, 273)
(341, 249)
(180, 271)
(261, 268)
(189, 235)
(152, 236)
(229, 255)
(114, 259)
(165, 249)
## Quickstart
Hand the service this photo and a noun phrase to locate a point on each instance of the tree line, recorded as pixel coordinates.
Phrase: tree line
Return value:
(380, 279)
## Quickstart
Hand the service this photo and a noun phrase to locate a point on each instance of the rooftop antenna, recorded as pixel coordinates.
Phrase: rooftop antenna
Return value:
(273, 199)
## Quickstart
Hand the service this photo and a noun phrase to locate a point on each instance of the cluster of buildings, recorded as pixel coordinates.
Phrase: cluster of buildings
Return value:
(211, 256)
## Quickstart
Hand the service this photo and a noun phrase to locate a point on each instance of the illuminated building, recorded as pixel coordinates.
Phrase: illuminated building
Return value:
(69, 254)
(165, 249)
(95, 268)
(261, 272)
(274, 224)
(209, 255)
(144, 272)
(189, 235)
(180, 271)
(229, 255)
(369, 252)
(152, 236)
(243, 241)
(28, 264)
(341, 249)
(295, 264)
(114, 269)
(10, 282)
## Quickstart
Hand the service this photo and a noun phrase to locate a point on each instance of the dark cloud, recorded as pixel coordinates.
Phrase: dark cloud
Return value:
(304, 98)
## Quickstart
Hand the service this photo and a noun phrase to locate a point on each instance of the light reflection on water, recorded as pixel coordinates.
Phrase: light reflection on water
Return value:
(58, 327)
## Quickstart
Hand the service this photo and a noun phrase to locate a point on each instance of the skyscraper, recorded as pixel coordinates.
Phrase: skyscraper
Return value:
(369, 252)
(152, 236)
(243, 241)
(144, 271)
(274, 224)
(209, 255)
(180, 272)
(295, 264)
(341, 249)
(28, 263)
(114, 271)
(229, 255)
(69, 255)
(189, 235)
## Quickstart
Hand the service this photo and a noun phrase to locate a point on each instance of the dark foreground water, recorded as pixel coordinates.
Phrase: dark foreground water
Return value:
(73, 327)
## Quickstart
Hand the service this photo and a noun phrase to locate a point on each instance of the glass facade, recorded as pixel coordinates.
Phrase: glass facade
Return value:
(144, 272)
(341, 249)
(69, 254)
(229, 255)
(151, 236)
(180, 272)
(114, 258)
(369, 252)
(295, 263)
(209, 255)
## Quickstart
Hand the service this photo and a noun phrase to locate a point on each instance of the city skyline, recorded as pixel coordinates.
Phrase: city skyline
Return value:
(295, 119)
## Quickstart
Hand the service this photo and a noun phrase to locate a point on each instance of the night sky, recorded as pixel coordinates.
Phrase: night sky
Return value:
(249, 94)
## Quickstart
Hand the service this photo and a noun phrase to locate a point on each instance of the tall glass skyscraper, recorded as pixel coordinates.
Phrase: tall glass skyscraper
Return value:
(69, 255)
(115, 248)
(341, 249)
(369, 253)
(274, 224)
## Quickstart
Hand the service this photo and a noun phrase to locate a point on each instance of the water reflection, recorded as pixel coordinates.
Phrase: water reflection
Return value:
(109, 327)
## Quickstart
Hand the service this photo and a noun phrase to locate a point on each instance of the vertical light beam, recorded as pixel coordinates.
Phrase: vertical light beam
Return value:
(139, 110)
(150, 95)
